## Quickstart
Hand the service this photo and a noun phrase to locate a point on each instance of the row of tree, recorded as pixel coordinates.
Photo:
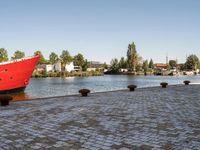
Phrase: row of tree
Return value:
(64, 58)
(192, 63)
(134, 63)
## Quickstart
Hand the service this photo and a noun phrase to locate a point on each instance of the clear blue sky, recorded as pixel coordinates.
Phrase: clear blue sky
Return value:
(102, 29)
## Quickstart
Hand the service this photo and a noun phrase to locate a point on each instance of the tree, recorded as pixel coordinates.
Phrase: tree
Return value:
(53, 58)
(105, 66)
(122, 63)
(114, 65)
(192, 62)
(139, 64)
(132, 57)
(198, 66)
(181, 67)
(151, 64)
(79, 60)
(3, 55)
(145, 66)
(18, 54)
(85, 65)
(42, 60)
(172, 63)
(65, 58)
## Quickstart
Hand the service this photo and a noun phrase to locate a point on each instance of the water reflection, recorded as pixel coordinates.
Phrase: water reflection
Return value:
(21, 96)
(48, 87)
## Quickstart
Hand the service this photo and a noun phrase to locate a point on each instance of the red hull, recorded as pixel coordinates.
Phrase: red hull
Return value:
(16, 74)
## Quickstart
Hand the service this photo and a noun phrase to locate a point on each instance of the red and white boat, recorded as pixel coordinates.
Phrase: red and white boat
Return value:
(15, 74)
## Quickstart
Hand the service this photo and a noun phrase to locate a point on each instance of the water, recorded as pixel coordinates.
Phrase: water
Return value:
(48, 87)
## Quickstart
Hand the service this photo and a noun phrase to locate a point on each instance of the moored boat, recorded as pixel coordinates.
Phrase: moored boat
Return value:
(15, 74)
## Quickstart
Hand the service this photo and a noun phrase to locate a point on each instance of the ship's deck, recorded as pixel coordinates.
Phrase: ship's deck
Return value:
(16, 60)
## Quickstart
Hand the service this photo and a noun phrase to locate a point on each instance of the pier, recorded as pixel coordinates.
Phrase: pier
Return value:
(148, 118)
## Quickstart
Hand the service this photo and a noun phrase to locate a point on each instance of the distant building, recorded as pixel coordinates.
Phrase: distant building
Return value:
(188, 73)
(70, 67)
(77, 68)
(94, 65)
(123, 70)
(161, 66)
(57, 67)
(94, 62)
(40, 67)
(91, 69)
(49, 68)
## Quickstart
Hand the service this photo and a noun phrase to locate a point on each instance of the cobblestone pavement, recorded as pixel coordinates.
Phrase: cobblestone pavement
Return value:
(149, 118)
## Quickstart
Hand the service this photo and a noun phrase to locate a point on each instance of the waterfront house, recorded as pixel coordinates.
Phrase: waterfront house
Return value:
(70, 67)
(77, 68)
(94, 65)
(188, 73)
(161, 66)
(44, 67)
(57, 67)
(40, 67)
(123, 70)
(48, 67)
(161, 69)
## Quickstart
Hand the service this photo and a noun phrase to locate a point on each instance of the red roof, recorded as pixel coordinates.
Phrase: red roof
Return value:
(161, 66)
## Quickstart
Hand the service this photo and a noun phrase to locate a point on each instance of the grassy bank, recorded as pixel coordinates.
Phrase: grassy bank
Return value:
(44, 74)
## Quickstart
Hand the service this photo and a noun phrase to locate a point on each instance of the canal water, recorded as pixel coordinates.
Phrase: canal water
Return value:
(48, 87)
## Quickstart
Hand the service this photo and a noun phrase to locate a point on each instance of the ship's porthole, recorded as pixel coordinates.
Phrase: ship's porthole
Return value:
(25, 82)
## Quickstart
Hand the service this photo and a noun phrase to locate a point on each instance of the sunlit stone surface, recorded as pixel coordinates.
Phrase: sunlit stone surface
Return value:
(149, 118)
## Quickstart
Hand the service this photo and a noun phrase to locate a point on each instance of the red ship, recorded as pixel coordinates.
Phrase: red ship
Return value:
(15, 74)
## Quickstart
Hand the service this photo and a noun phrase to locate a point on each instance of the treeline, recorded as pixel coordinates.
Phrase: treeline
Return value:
(65, 58)
(44, 74)
(134, 63)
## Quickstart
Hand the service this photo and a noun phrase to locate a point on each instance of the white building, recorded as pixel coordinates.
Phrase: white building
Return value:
(91, 69)
(57, 67)
(77, 68)
(69, 67)
(94, 65)
(123, 70)
(49, 68)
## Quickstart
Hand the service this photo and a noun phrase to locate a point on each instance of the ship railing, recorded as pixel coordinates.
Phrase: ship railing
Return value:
(17, 60)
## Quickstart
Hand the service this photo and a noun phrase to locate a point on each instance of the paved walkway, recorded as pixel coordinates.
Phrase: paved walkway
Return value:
(149, 118)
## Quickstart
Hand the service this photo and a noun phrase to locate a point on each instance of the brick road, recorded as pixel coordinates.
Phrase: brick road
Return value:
(149, 118)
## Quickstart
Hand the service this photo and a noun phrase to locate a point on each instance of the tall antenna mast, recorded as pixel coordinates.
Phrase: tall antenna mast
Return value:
(167, 58)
